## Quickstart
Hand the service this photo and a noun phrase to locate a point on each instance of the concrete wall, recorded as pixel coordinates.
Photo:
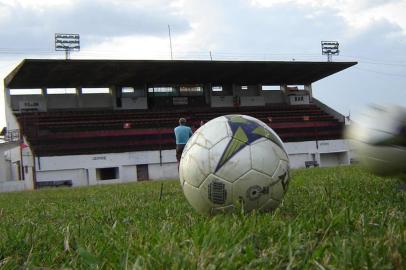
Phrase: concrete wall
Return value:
(299, 99)
(128, 173)
(257, 101)
(101, 160)
(139, 103)
(14, 156)
(162, 165)
(82, 169)
(222, 101)
(273, 97)
(252, 96)
(11, 120)
(9, 171)
(28, 102)
(66, 101)
(11, 186)
(95, 101)
(252, 90)
(298, 160)
(164, 171)
(62, 101)
(326, 153)
(5, 162)
(5, 168)
(333, 159)
(77, 176)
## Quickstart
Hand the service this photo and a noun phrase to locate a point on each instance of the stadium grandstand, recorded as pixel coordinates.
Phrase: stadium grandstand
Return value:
(85, 122)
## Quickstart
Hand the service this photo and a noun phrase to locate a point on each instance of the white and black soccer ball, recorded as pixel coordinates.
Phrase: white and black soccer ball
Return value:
(379, 139)
(234, 161)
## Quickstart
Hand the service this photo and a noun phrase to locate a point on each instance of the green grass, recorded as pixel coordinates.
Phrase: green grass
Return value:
(338, 218)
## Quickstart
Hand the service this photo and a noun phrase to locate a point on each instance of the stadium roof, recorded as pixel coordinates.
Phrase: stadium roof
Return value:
(35, 73)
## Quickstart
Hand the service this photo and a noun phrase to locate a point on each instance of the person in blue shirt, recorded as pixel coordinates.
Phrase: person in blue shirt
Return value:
(182, 134)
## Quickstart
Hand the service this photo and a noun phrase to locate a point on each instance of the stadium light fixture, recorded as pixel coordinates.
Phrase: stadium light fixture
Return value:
(67, 43)
(330, 48)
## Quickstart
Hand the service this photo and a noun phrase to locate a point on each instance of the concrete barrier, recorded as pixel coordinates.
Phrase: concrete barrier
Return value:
(10, 186)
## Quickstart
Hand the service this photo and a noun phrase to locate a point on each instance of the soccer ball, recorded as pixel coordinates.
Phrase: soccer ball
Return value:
(379, 139)
(234, 162)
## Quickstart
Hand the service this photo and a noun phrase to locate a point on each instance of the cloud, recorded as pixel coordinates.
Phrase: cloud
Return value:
(371, 32)
(241, 27)
(237, 29)
(338, 4)
(379, 76)
(382, 39)
(359, 14)
(30, 26)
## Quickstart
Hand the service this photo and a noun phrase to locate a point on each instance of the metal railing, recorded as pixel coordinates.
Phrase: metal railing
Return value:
(12, 135)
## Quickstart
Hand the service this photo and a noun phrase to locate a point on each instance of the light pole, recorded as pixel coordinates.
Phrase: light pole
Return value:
(67, 43)
(330, 48)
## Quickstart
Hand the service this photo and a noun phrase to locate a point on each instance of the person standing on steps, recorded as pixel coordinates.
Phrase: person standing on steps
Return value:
(182, 135)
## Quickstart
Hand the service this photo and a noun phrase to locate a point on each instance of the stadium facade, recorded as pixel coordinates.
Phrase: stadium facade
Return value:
(86, 122)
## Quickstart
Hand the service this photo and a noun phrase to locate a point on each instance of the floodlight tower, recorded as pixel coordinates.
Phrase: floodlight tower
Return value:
(67, 43)
(330, 48)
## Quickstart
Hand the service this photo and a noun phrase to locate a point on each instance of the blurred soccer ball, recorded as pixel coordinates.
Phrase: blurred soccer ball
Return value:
(234, 161)
(379, 138)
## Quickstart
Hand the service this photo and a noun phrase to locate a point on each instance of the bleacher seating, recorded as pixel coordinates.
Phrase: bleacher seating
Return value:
(80, 132)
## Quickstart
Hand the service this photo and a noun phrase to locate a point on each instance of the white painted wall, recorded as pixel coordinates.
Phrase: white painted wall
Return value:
(13, 156)
(109, 182)
(327, 146)
(298, 160)
(11, 120)
(81, 169)
(300, 147)
(5, 168)
(11, 186)
(5, 163)
(322, 146)
(299, 152)
(164, 171)
(103, 160)
(128, 173)
(77, 176)
(9, 180)
(162, 165)
(334, 159)
(14, 172)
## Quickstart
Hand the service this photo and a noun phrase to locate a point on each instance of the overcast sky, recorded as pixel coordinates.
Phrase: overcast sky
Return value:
(372, 32)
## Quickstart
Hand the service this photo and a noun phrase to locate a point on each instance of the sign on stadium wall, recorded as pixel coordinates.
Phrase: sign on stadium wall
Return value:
(31, 105)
